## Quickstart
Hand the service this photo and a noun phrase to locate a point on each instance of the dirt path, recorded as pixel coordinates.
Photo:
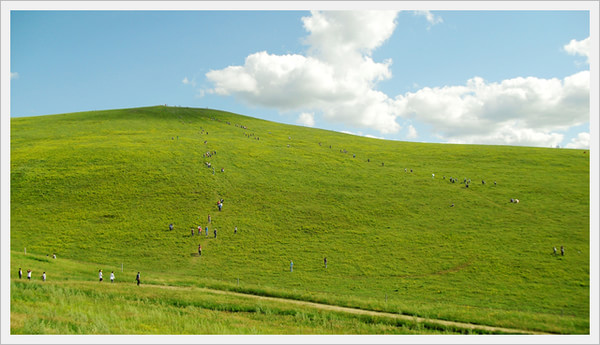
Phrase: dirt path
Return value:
(357, 311)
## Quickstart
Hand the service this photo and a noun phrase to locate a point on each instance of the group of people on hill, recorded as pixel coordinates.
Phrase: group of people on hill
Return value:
(100, 276)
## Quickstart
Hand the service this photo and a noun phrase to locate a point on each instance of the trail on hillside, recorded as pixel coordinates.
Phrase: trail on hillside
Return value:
(461, 325)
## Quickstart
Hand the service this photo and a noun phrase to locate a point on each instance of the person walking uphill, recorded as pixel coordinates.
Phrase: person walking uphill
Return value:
(215, 232)
(291, 266)
(20, 273)
(137, 278)
(100, 274)
(28, 274)
(112, 276)
(199, 250)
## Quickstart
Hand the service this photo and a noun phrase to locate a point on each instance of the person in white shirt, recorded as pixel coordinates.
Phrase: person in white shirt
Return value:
(112, 276)
(100, 274)
(28, 274)
(44, 276)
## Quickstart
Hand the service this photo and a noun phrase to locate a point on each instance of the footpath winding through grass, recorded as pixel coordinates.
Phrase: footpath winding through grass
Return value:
(100, 188)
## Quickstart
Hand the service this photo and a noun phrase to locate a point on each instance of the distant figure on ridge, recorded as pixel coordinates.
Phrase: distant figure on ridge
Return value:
(137, 278)
(100, 274)
(562, 250)
(112, 276)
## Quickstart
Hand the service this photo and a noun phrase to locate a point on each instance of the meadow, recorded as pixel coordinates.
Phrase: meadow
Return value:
(100, 189)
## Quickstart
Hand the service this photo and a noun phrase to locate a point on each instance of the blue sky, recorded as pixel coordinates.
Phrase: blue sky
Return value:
(509, 77)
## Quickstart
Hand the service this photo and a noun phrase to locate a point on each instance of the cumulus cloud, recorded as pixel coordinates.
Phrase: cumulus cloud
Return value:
(412, 132)
(307, 119)
(14, 75)
(337, 77)
(582, 141)
(431, 18)
(581, 48)
(519, 111)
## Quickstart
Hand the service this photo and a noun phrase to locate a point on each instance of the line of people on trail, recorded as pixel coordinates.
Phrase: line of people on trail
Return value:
(100, 275)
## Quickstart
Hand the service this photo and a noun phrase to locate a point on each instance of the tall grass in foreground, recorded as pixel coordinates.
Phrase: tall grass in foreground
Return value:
(90, 308)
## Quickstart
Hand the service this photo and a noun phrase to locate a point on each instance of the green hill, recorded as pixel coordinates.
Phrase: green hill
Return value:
(102, 187)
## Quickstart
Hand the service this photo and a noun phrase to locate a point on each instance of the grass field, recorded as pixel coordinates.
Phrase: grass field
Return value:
(100, 189)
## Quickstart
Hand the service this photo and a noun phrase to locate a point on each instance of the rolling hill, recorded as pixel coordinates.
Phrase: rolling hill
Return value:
(100, 189)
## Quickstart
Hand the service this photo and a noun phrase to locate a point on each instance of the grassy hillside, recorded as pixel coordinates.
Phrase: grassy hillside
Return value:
(102, 187)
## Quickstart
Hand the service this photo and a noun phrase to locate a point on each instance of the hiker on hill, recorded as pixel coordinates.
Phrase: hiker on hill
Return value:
(219, 205)
(112, 276)
(325, 262)
(171, 226)
(199, 229)
(199, 250)
(215, 232)
(562, 250)
(291, 266)
(192, 231)
(54, 255)
(235, 230)
(28, 274)
(554, 251)
(137, 278)
(209, 218)
(20, 273)
(44, 276)
(206, 230)
(100, 274)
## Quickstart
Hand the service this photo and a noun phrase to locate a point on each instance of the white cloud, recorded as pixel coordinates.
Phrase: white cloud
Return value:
(337, 77)
(582, 141)
(431, 18)
(14, 75)
(306, 119)
(582, 48)
(519, 111)
(186, 81)
(412, 132)
(360, 134)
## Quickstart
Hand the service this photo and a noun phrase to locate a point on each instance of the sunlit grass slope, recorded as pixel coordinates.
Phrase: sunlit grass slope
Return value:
(102, 187)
